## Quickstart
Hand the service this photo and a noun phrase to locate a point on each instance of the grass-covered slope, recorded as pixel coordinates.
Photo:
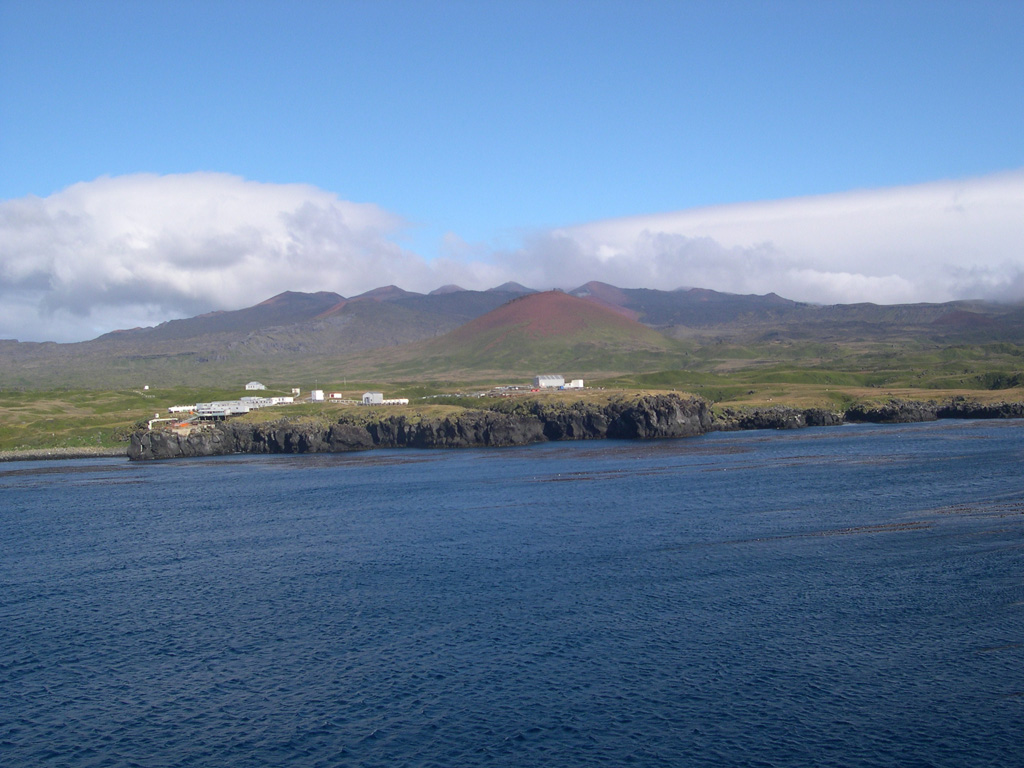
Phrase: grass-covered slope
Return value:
(31, 420)
(541, 332)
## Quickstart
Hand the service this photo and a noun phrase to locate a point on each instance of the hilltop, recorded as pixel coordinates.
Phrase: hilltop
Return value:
(540, 331)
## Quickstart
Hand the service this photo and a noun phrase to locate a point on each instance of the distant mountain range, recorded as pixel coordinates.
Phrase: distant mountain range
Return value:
(381, 317)
(389, 316)
(488, 330)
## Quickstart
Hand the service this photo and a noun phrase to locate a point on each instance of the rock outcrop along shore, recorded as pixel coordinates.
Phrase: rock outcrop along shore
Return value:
(648, 417)
(894, 411)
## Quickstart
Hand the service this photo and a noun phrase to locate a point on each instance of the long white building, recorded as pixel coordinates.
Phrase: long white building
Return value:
(377, 398)
(548, 381)
(221, 409)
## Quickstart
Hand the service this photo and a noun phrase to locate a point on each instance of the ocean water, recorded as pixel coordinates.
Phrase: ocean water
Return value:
(848, 596)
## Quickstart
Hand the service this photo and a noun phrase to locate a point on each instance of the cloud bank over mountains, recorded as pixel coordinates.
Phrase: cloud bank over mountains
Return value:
(929, 242)
(140, 249)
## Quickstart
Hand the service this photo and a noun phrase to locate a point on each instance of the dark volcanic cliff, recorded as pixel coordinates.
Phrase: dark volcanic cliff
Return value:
(654, 416)
(522, 423)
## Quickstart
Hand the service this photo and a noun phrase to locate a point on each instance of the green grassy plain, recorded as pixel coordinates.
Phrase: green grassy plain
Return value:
(797, 374)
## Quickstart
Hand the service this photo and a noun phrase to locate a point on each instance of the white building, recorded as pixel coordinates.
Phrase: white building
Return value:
(317, 395)
(574, 384)
(221, 409)
(377, 398)
(253, 385)
(256, 402)
(548, 381)
(335, 396)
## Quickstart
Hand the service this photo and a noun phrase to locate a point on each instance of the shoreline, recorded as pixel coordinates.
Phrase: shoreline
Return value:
(45, 454)
(658, 417)
(649, 417)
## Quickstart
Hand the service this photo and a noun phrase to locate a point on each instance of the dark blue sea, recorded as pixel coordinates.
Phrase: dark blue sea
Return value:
(848, 596)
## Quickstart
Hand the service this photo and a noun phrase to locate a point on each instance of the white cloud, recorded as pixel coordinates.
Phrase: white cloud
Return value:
(929, 242)
(137, 250)
(140, 249)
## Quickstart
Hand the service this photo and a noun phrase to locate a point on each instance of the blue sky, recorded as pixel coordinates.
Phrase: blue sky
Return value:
(483, 127)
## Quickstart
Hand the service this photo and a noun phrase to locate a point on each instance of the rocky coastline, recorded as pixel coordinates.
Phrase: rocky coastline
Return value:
(649, 417)
(646, 418)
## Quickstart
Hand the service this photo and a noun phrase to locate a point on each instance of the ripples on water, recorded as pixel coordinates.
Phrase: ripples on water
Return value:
(846, 596)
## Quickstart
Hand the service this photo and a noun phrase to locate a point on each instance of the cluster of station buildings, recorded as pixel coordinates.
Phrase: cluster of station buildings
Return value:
(221, 409)
(369, 398)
